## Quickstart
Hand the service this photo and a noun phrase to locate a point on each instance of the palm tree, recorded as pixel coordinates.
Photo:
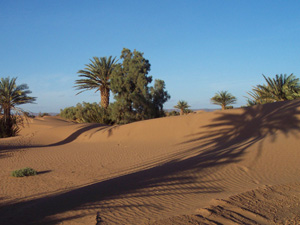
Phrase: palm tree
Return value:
(96, 75)
(280, 88)
(12, 95)
(182, 105)
(258, 96)
(224, 99)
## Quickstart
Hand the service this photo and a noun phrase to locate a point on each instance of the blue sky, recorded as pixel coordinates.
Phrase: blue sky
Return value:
(197, 47)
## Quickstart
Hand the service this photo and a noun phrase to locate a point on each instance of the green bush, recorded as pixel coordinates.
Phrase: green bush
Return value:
(187, 111)
(87, 113)
(43, 114)
(173, 113)
(24, 172)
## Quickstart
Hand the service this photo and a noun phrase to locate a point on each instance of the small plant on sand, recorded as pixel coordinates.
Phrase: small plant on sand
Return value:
(24, 172)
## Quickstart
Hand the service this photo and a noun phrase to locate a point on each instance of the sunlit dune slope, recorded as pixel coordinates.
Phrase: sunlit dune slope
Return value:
(146, 171)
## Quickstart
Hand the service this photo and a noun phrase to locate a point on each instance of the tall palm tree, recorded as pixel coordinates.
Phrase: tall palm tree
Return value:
(96, 75)
(280, 88)
(224, 99)
(182, 105)
(12, 95)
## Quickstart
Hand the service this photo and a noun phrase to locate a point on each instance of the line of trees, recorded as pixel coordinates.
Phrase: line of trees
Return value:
(134, 99)
(281, 88)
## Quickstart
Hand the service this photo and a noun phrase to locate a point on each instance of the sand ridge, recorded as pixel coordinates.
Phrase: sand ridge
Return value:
(147, 171)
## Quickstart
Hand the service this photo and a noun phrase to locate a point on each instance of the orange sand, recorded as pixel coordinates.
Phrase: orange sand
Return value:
(161, 171)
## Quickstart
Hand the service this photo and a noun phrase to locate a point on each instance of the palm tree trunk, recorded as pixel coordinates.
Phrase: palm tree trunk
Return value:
(181, 112)
(223, 107)
(104, 97)
(7, 121)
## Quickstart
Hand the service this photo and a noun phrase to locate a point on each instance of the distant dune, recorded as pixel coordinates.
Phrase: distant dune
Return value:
(223, 167)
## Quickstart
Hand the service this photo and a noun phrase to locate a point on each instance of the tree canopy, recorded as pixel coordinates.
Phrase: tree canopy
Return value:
(224, 99)
(96, 76)
(182, 105)
(135, 100)
(280, 88)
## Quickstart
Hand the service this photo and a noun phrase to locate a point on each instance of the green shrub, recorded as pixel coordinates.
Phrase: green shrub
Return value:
(24, 172)
(87, 113)
(43, 114)
(187, 111)
(173, 113)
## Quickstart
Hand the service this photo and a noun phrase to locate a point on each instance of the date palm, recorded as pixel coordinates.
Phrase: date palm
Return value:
(224, 99)
(96, 75)
(12, 95)
(182, 105)
(280, 88)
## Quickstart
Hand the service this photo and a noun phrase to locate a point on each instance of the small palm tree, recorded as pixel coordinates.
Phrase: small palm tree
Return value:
(224, 99)
(96, 75)
(280, 88)
(182, 105)
(12, 95)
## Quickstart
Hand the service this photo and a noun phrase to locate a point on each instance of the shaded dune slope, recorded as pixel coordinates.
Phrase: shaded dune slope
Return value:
(146, 171)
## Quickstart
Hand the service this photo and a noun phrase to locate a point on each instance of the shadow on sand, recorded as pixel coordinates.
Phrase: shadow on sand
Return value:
(221, 142)
(5, 150)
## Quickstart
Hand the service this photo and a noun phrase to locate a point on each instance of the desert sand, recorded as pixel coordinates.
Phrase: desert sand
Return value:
(239, 166)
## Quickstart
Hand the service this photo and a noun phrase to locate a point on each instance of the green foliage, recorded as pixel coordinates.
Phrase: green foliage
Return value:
(280, 88)
(14, 129)
(43, 114)
(187, 111)
(173, 113)
(96, 76)
(12, 95)
(24, 172)
(87, 113)
(135, 100)
(128, 80)
(224, 99)
(159, 97)
(182, 105)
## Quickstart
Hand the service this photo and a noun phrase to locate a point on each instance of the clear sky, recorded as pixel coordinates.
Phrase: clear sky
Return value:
(198, 47)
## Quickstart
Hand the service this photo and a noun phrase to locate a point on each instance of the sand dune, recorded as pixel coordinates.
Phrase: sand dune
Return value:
(198, 168)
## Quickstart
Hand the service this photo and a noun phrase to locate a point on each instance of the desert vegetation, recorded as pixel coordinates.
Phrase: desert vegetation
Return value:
(96, 76)
(224, 99)
(87, 113)
(129, 82)
(25, 172)
(11, 96)
(281, 88)
(182, 106)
